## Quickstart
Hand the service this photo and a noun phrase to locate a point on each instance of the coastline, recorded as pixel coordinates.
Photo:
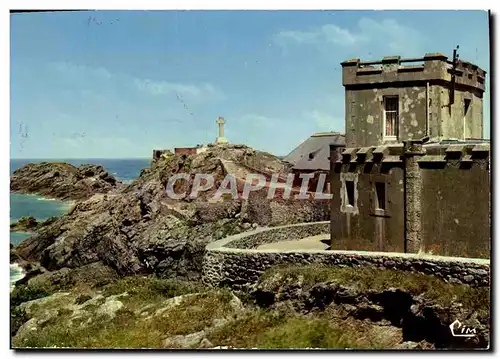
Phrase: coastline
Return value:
(16, 270)
(40, 197)
(16, 274)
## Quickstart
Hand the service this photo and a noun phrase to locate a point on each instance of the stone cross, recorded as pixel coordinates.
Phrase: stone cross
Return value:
(220, 121)
(221, 139)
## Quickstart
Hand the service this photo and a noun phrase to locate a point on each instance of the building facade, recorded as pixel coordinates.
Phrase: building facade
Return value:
(395, 99)
(415, 174)
(432, 198)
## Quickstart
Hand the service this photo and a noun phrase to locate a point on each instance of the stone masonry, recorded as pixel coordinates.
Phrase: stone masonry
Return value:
(422, 90)
(234, 261)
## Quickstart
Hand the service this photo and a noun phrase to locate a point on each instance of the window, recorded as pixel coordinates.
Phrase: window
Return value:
(349, 193)
(391, 117)
(466, 106)
(349, 186)
(380, 195)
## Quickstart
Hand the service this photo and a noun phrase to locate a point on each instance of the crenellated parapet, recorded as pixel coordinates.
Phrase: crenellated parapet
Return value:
(465, 155)
(393, 69)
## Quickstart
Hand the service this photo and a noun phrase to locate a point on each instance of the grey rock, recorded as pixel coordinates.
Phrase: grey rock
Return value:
(205, 344)
(246, 225)
(468, 278)
(185, 341)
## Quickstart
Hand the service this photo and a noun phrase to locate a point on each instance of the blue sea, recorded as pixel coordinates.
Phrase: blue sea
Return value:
(125, 170)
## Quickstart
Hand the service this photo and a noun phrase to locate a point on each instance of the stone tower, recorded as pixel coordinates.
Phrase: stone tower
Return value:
(395, 100)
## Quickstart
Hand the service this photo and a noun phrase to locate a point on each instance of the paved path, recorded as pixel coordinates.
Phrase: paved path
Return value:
(313, 242)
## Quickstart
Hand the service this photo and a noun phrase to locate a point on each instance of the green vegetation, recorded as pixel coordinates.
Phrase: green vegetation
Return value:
(270, 330)
(150, 289)
(366, 278)
(139, 312)
(18, 317)
(134, 325)
(25, 293)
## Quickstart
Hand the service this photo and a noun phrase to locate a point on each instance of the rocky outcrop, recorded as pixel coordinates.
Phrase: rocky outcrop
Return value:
(62, 180)
(137, 229)
(30, 224)
(95, 274)
(424, 321)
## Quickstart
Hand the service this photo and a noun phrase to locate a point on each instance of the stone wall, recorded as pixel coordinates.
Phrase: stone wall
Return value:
(279, 211)
(456, 196)
(235, 262)
(436, 199)
(185, 151)
(362, 225)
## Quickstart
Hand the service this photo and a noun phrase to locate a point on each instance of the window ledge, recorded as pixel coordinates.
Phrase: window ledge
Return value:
(380, 213)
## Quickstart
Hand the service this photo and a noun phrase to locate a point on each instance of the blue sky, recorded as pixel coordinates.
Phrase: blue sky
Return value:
(114, 84)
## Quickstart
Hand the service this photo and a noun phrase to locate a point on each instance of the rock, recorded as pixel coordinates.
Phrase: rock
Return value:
(136, 228)
(480, 272)
(415, 346)
(81, 299)
(236, 303)
(25, 224)
(185, 341)
(468, 278)
(246, 225)
(28, 306)
(95, 274)
(254, 225)
(31, 270)
(389, 263)
(205, 344)
(62, 180)
(110, 307)
(173, 302)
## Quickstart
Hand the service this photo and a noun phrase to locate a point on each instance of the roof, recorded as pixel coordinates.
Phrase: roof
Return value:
(314, 152)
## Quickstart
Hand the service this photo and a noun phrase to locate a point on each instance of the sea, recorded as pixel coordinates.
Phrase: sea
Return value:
(25, 205)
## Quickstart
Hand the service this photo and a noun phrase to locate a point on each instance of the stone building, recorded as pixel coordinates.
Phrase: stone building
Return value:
(397, 99)
(425, 187)
(314, 156)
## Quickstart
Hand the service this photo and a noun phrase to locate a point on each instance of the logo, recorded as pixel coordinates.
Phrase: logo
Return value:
(460, 330)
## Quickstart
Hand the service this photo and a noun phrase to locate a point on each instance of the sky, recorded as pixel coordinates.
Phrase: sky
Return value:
(118, 84)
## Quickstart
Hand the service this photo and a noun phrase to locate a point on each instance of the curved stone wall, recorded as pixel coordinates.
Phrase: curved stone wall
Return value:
(294, 232)
(234, 261)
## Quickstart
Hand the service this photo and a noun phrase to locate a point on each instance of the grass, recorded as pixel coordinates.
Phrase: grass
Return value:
(128, 328)
(150, 289)
(138, 324)
(26, 293)
(365, 278)
(18, 317)
(269, 330)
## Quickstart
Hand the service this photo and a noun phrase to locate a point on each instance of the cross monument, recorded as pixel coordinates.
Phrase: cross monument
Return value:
(221, 139)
